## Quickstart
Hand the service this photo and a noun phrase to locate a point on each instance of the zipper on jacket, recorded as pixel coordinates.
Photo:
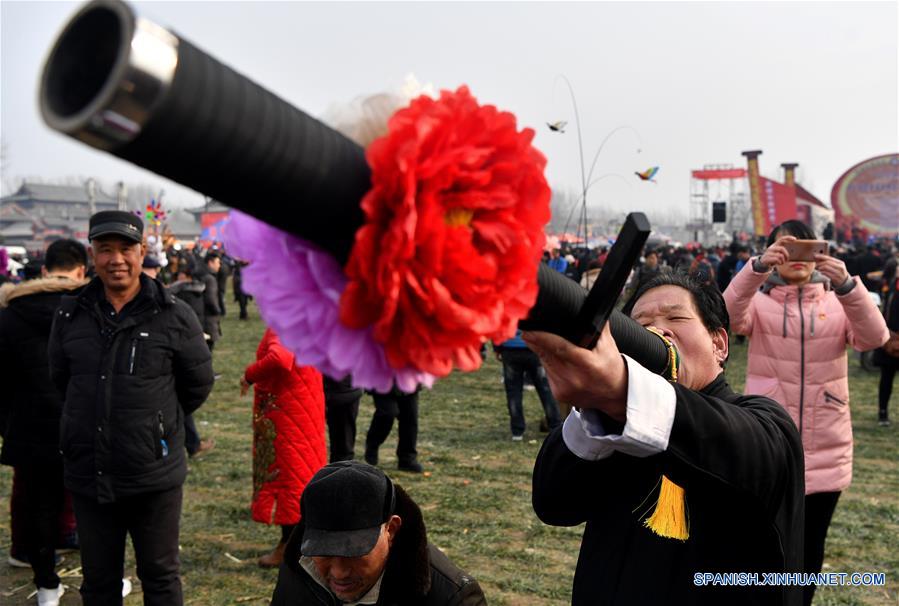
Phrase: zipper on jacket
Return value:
(812, 318)
(785, 315)
(131, 357)
(801, 358)
(830, 396)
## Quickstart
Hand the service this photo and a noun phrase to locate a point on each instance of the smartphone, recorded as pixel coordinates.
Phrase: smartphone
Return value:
(805, 250)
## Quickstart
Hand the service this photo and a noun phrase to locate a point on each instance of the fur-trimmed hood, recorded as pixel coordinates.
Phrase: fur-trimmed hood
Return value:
(36, 300)
(9, 292)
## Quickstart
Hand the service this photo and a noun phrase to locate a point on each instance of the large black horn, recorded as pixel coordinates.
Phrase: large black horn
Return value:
(126, 85)
(123, 84)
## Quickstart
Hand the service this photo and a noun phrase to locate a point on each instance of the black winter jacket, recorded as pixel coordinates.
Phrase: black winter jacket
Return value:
(30, 403)
(127, 385)
(739, 460)
(211, 310)
(417, 573)
(342, 392)
(192, 293)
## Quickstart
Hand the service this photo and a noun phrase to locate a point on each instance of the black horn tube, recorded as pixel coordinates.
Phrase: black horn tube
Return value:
(126, 85)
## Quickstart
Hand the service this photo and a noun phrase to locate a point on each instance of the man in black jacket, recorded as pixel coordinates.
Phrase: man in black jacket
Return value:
(192, 292)
(212, 312)
(33, 407)
(738, 459)
(131, 360)
(362, 540)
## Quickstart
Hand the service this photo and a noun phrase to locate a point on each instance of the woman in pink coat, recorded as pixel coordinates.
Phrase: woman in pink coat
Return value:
(799, 316)
(288, 436)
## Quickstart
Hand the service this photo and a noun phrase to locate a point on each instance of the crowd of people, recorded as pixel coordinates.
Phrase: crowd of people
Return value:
(112, 353)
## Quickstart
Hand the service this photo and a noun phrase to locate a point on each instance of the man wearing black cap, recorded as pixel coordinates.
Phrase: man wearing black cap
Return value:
(151, 266)
(362, 540)
(131, 360)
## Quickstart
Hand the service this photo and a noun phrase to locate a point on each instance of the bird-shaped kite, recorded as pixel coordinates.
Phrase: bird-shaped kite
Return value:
(648, 174)
(557, 127)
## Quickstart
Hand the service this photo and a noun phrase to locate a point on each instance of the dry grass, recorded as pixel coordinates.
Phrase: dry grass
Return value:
(476, 498)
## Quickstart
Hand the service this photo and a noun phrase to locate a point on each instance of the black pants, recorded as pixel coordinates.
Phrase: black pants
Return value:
(819, 508)
(152, 520)
(404, 408)
(888, 367)
(286, 530)
(242, 300)
(341, 417)
(42, 485)
(516, 364)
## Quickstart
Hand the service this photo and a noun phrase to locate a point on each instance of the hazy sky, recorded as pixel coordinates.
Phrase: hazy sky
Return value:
(807, 82)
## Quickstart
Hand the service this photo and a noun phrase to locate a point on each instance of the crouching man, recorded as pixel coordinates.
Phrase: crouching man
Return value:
(362, 540)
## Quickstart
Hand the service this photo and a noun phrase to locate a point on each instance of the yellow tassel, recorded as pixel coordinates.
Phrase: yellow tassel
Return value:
(669, 519)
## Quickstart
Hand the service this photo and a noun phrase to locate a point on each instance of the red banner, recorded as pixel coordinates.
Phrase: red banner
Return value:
(778, 203)
(720, 173)
(212, 226)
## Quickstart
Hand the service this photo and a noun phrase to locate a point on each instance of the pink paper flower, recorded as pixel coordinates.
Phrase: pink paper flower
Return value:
(297, 287)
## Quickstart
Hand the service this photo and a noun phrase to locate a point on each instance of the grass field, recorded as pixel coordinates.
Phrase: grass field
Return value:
(475, 495)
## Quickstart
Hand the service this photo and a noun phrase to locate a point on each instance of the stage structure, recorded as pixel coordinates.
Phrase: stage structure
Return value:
(719, 203)
(866, 197)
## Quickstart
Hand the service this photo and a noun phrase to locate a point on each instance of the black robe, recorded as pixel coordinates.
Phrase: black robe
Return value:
(739, 459)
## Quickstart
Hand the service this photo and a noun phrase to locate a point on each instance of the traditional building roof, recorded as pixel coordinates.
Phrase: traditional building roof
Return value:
(214, 206)
(18, 230)
(72, 194)
(183, 224)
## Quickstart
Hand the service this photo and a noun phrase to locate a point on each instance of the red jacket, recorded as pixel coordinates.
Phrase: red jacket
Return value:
(288, 431)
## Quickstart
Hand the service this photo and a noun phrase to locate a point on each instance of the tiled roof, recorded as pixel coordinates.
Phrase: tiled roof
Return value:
(213, 207)
(58, 193)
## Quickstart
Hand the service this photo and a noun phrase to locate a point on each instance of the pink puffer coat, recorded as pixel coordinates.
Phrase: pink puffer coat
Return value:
(797, 356)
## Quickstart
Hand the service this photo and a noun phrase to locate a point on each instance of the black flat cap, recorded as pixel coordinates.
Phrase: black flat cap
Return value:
(343, 508)
(116, 223)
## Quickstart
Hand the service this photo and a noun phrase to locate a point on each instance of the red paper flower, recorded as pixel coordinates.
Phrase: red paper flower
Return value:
(454, 232)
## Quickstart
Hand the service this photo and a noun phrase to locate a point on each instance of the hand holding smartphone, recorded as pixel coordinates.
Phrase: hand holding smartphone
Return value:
(805, 250)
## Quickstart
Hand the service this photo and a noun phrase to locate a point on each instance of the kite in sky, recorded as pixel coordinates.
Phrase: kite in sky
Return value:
(648, 174)
(557, 127)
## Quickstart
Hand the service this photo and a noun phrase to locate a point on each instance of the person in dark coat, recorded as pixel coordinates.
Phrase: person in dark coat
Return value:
(192, 292)
(131, 360)
(212, 311)
(887, 357)
(225, 266)
(638, 438)
(362, 540)
(240, 296)
(32, 406)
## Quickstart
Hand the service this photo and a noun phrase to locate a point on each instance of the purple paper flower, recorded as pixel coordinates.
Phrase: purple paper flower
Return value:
(297, 287)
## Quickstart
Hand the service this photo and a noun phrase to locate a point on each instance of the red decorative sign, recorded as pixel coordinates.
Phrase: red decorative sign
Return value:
(720, 173)
(867, 196)
(212, 226)
(778, 203)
